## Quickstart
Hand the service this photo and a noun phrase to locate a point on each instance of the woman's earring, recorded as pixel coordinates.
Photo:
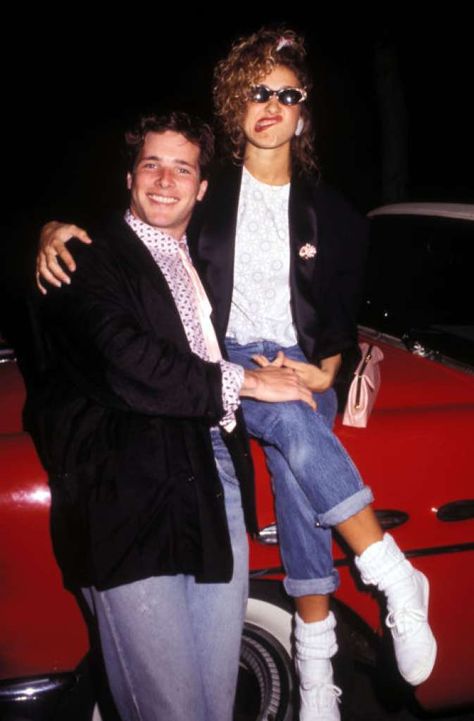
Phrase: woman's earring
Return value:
(299, 127)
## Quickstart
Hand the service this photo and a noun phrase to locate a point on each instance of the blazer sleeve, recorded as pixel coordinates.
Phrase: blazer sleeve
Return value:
(107, 348)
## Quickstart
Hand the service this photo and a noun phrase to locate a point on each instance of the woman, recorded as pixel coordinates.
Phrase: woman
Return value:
(282, 258)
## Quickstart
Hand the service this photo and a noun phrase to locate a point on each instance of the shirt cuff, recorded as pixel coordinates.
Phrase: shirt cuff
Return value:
(232, 381)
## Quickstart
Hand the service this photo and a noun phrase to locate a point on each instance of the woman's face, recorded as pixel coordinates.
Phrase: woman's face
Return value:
(271, 125)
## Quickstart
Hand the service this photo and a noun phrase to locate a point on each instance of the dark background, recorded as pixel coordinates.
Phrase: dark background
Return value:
(391, 100)
(72, 83)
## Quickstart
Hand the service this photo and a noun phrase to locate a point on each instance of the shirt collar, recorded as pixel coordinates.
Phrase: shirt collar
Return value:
(154, 237)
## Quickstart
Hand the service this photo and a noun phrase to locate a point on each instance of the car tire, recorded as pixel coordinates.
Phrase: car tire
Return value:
(266, 680)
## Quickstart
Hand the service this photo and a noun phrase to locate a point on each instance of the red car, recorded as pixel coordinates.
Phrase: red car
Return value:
(415, 454)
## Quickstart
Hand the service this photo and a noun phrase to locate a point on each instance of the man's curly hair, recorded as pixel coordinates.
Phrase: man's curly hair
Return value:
(249, 60)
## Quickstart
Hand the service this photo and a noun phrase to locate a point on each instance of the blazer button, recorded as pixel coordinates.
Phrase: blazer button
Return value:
(219, 494)
(190, 479)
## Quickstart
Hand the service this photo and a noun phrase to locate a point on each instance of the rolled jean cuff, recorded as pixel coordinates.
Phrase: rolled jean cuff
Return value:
(346, 508)
(312, 586)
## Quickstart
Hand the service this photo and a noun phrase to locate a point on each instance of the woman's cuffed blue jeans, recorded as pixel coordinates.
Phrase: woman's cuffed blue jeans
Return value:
(171, 646)
(315, 483)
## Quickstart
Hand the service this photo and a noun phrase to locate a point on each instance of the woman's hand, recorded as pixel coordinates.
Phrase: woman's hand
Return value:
(53, 239)
(315, 378)
(275, 385)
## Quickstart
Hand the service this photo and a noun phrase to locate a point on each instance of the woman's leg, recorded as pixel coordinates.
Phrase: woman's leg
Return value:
(361, 530)
(378, 557)
(302, 450)
(380, 560)
(306, 446)
(312, 608)
(306, 550)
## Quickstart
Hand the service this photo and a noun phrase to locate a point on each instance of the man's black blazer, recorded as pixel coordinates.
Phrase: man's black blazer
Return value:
(325, 289)
(122, 425)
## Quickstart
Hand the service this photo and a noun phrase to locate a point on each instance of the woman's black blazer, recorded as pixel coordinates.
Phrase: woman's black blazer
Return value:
(325, 289)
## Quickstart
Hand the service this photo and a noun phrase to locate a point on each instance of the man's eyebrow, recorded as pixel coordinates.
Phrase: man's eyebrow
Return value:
(176, 161)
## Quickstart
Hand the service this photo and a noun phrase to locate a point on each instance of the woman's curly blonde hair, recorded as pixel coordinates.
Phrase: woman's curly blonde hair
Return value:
(249, 60)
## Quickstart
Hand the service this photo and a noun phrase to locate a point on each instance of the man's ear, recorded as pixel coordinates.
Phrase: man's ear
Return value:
(202, 190)
(129, 181)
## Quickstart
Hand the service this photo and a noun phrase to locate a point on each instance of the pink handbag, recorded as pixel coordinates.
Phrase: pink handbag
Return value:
(364, 387)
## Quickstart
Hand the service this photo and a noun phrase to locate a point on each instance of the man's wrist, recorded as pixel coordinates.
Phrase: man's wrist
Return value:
(232, 379)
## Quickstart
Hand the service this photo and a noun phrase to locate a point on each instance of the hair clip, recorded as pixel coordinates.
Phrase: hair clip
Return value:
(283, 43)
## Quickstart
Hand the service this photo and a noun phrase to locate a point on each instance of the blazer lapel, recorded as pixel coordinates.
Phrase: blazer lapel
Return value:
(304, 261)
(212, 242)
(137, 257)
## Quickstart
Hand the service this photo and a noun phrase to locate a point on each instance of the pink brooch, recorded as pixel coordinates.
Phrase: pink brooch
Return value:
(307, 251)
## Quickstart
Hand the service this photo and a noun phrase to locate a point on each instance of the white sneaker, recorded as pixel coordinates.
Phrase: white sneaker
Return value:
(319, 699)
(407, 592)
(315, 644)
(414, 643)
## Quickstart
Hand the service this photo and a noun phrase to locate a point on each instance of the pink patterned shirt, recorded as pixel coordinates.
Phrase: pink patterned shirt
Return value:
(166, 252)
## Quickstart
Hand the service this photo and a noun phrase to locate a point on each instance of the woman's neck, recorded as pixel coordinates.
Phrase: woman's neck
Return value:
(271, 166)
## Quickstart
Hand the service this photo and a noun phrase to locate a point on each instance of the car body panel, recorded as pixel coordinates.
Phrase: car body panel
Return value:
(41, 626)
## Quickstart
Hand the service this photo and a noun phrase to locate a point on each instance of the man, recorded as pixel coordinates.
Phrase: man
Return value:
(147, 517)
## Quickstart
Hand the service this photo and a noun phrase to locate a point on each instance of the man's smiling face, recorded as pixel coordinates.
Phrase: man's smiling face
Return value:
(165, 183)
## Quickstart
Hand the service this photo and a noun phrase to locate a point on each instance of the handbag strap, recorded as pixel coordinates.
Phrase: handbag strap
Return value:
(363, 366)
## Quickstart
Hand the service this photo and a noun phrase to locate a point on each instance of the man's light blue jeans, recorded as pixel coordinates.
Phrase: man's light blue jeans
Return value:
(316, 485)
(171, 646)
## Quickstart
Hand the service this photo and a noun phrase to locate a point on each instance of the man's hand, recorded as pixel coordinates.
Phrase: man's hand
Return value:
(53, 239)
(273, 384)
(314, 378)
